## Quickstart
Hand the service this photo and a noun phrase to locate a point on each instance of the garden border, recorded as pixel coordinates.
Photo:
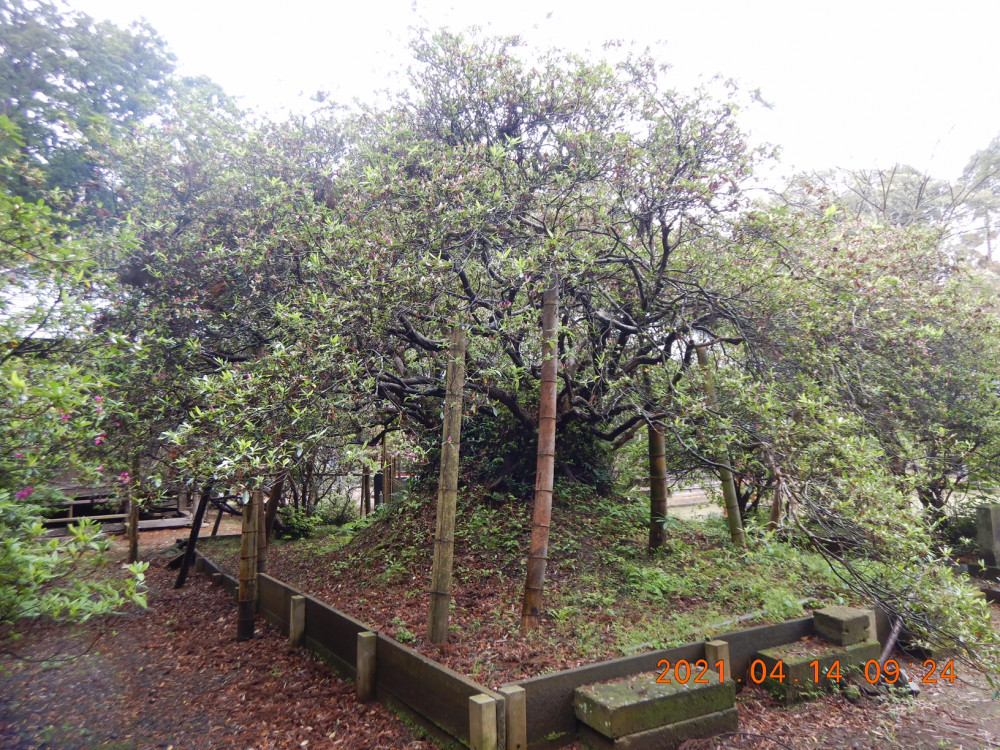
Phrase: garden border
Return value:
(444, 701)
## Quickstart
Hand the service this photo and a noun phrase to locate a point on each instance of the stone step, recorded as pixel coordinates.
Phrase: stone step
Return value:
(789, 674)
(640, 703)
(669, 737)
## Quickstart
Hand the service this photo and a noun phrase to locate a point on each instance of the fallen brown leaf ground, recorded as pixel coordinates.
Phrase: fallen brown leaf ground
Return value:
(174, 676)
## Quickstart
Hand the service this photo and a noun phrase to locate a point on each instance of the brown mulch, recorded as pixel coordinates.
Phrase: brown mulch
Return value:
(174, 676)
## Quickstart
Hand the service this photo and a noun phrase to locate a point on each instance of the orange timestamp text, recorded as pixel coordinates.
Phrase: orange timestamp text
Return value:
(701, 673)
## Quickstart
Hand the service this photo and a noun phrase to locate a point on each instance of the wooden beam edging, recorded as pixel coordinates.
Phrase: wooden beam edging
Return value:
(436, 695)
(549, 716)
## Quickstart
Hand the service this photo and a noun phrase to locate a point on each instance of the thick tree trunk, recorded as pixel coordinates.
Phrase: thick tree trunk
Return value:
(246, 596)
(199, 516)
(541, 519)
(736, 532)
(444, 537)
(657, 487)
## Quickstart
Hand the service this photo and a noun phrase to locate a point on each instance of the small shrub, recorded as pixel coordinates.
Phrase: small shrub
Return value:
(297, 524)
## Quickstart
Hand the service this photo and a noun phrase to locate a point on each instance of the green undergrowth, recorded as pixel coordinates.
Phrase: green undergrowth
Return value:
(606, 594)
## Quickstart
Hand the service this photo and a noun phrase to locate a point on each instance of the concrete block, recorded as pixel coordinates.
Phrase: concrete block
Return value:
(641, 703)
(664, 738)
(988, 523)
(798, 678)
(844, 626)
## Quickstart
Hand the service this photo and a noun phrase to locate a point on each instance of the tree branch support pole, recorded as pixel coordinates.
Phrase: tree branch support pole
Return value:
(444, 537)
(248, 570)
(132, 521)
(258, 500)
(199, 517)
(657, 487)
(545, 467)
(728, 485)
(366, 490)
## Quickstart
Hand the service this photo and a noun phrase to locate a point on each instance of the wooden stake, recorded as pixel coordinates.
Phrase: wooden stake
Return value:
(657, 487)
(199, 516)
(482, 722)
(257, 497)
(132, 521)
(365, 677)
(444, 537)
(545, 466)
(248, 573)
(736, 532)
(366, 490)
(515, 703)
(296, 620)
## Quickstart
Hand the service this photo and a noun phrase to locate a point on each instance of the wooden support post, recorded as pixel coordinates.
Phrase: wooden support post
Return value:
(296, 620)
(716, 651)
(217, 579)
(183, 502)
(257, 497)
(657, 487)
(366, 490)
(199, 515)
(248, 573)
(218, 522)
(515, 700)
(736, 532)
(444, 537)
(365, 678)
(482, 722)
(132, 522)
(541, 516)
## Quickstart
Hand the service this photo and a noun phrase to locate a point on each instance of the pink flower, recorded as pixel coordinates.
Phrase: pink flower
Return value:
(99, 439)
(24, 493)
(99, 399)
(18, 455)
(124, 478)
(100, 469)
(64, 417)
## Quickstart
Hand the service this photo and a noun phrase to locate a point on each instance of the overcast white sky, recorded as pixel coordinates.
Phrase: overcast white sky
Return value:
(853, 84)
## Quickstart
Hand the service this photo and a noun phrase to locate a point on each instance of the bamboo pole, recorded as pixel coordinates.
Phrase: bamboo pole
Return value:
(444, 537)
(736, 532)
(132, 521)
(545, 465)
(257, 497)
(248, 572)
(658, 492)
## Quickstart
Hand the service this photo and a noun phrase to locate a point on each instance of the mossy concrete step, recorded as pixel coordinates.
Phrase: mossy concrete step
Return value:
(843, 625)
(664, 738)
(789, 673)
(640, 703)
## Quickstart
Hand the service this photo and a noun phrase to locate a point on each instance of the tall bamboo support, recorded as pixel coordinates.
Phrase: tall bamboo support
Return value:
(658, 492)
(248, 571)
(736, 532)
(132, 521)
(258, 500)
(545, 465)
(444, 537)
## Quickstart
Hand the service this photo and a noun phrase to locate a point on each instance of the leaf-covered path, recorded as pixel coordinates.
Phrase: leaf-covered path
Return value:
(175, 677)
